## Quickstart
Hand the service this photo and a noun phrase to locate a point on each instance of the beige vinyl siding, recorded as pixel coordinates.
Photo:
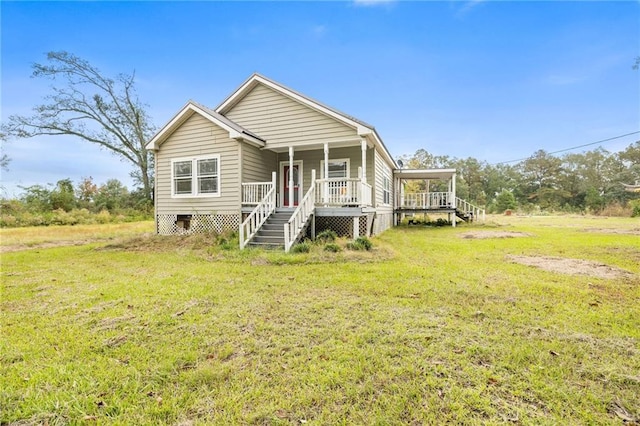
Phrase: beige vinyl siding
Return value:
(382, 169)
(257, 164)
(199, 137)
(283, 121)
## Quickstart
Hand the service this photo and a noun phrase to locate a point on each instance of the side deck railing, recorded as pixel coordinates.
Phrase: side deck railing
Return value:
(427, 200)
(300, 216)
(258, 216)
(475, 212)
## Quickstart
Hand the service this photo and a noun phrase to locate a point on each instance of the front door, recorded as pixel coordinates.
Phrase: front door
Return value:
(286, 174)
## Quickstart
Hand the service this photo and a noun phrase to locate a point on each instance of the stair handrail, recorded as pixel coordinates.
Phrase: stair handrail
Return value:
(258, 215)
(300, 216)
(466, 206)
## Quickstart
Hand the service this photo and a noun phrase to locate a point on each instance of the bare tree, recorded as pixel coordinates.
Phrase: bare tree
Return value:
(93, 107)
(4, 158)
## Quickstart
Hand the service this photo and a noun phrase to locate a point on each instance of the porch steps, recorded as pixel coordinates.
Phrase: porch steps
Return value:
(466, 216)
(271, 234)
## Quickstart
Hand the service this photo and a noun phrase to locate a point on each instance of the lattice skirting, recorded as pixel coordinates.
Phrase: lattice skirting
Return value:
(383, 221)
(174, 224)
(343, 225)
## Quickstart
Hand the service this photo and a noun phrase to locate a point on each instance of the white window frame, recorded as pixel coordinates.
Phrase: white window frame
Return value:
(386, 188)
(194, 177)
(336, 160)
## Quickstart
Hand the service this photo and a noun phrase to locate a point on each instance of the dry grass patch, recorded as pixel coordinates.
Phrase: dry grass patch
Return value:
(493, 234)
(635, 231)
(572, 266)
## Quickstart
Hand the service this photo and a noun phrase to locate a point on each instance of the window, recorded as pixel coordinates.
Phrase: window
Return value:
(195, 177)
(386, 189)
(337, 168)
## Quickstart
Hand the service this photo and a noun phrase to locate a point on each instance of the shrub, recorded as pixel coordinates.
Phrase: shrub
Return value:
(303, 247)
(361, 244)
(326, 236)
(103, 217)
(635, 208)
(332, 247)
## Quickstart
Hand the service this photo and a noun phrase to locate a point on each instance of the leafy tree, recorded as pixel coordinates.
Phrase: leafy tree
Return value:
(37, 198)
(86, 192)
(505, 201)
(98, 109)
(63, 196)
(111, 196)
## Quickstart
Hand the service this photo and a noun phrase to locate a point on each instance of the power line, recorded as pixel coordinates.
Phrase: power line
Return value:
(575, 147)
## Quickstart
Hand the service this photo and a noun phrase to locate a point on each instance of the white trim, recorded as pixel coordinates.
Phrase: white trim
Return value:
(194, 176)
(299, 163)
(363, 130)
(347, 160)
(386, 174)
(185, 113)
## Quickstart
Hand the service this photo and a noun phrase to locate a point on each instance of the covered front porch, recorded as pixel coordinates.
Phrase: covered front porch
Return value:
(322, 180)
(343, 176)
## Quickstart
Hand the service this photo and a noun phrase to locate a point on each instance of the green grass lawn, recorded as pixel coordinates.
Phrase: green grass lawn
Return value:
(427, 328)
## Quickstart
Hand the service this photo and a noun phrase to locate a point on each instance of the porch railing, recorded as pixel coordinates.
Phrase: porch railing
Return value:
(259, 214)
(342, 192)
(254, 192)
(427, 200)
(300, 215)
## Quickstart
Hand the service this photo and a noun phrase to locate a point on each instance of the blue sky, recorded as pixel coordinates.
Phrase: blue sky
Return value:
(486, 79)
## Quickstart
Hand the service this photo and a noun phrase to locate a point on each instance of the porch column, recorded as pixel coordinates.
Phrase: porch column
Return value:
(325, 189)
(428, 198)
(363, 144)
(453, 188)
(290, 176)
(453, 198)
(356, 227)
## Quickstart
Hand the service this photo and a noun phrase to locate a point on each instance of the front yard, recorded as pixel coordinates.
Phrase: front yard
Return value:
(434, 325)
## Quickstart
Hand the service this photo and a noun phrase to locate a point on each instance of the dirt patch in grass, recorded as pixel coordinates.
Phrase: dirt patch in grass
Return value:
(493, 234)
(161, 243)
(635, 231)
(572, 266)
(45, 245)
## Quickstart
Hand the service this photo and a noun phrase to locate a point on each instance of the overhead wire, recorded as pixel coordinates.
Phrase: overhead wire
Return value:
(572, 148)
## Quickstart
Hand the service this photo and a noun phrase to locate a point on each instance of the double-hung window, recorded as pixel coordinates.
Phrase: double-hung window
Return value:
(386, 189)
(337, 168)
(195, 177)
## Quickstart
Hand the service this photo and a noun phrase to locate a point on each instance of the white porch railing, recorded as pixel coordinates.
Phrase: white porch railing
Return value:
(427, 200)
(259, 215)
(466, 207)
(300, 215)
(254, 192)
(342, 192)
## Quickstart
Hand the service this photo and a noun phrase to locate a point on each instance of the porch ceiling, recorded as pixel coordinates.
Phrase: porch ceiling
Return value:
(424, 173)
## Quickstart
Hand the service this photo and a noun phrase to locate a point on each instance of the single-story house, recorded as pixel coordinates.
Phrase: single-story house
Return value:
(276, 165)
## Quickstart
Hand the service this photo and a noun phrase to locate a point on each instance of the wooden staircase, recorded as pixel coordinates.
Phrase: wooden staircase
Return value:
(271, 233)
(467, 211)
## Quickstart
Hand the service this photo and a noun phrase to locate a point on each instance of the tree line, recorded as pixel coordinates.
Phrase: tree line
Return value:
(67, 204)
(591, 182)
(106, 111)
